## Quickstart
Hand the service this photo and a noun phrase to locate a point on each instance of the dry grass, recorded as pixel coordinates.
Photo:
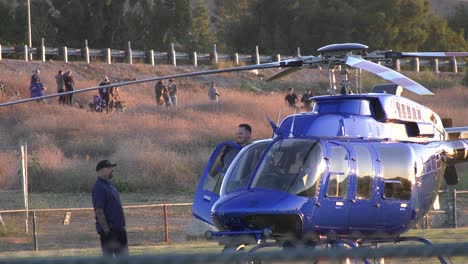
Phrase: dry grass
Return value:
(156, 148)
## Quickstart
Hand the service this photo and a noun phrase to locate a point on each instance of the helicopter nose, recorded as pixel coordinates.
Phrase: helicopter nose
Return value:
(259, 209)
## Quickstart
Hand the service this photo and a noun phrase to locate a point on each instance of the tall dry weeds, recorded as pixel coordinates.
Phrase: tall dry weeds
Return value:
(157, 149)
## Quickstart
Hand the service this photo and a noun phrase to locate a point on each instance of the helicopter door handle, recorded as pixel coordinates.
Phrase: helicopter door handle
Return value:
(206, 197)
(317, 204)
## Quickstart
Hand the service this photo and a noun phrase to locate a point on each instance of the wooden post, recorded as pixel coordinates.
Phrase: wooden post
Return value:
(65, 54)
(43, 50)
(453, 64)
(435, 64)
(0, 52)
(298, 51)
(36, 245)
(26, 52)
(166, 224)
(130, 53)
(396, 65)
(86, 51)
(416, 64)
(257, 55)
(24, 174)
(195, 59)
(151, 57)
(173, 55)
(236, 58)
(214, 59)
(108, 56)
(278, 57)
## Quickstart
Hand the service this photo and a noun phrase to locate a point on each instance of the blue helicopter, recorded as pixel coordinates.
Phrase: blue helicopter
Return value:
(359, 169)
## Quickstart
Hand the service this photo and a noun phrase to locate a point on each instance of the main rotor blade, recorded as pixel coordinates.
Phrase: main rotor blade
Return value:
(434, 54)
(286, 63)
(387, 74)
(283, 74)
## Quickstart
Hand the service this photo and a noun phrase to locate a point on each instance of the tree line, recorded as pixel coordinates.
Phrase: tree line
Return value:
(277, 26)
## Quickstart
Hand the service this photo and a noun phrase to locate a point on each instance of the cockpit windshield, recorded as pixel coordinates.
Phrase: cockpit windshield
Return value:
(292, 165)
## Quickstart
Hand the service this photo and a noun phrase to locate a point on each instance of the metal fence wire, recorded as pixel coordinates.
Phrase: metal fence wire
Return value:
(53, 229)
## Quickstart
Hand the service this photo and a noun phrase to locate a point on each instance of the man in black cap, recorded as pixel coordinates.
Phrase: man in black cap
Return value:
(110, 220)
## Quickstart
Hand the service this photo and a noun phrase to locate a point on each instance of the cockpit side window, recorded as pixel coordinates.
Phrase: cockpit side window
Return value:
(241, 173)
(292, 165)
(339, 168)
(216, 173)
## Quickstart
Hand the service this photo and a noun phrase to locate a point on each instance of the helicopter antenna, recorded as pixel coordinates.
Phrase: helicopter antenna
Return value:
(292, 125)
(279, 115)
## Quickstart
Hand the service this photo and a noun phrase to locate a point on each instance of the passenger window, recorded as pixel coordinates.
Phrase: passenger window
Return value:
(397, 169)
(339, 164)
(364, 173)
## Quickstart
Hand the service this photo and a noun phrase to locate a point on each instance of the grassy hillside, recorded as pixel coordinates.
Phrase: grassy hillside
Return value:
(157, 149)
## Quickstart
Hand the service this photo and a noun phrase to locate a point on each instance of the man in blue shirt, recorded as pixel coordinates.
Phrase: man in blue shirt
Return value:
(110, 220)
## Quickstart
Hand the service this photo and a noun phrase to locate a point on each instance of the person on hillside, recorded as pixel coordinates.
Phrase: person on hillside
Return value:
(166, 94)
(35, 78)
(69, 83)
(60, 86)
(213, 93)
(291, 98)
(37, 90)
(173, 92)
(105, 92)
(109, 214)
(2, 88)
(305, 99)
(158, 90)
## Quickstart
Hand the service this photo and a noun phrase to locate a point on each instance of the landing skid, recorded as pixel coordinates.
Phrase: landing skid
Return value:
(235, 241)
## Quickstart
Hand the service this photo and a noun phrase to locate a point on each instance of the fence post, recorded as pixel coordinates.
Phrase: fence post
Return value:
(0, 52)
(108, 56)
(150, 56)
(26, 53)
(195, 59)
(396, 65)
(454, 197)
(36, 245)
(130, 53)
(435, 64)
(298, 51)
(236, 58)
(86, 52)
(173, 55)
(278, 57)
(43, 50)
(453, 64)
(416, 64)
(257, 55)
(214, 59)
(166, 225)
(65, 54)
(24, 177)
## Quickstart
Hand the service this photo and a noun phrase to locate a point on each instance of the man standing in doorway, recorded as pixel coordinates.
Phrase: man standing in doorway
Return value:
(110, 220)
(243, 135)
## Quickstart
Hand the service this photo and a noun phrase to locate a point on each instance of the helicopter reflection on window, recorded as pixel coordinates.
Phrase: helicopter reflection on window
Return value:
(397, 170)
(242, 171)
(339, 164)
(293, 166)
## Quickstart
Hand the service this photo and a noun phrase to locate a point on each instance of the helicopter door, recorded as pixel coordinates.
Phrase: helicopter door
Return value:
(210, 182)
(363, 212)
(333, 208)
